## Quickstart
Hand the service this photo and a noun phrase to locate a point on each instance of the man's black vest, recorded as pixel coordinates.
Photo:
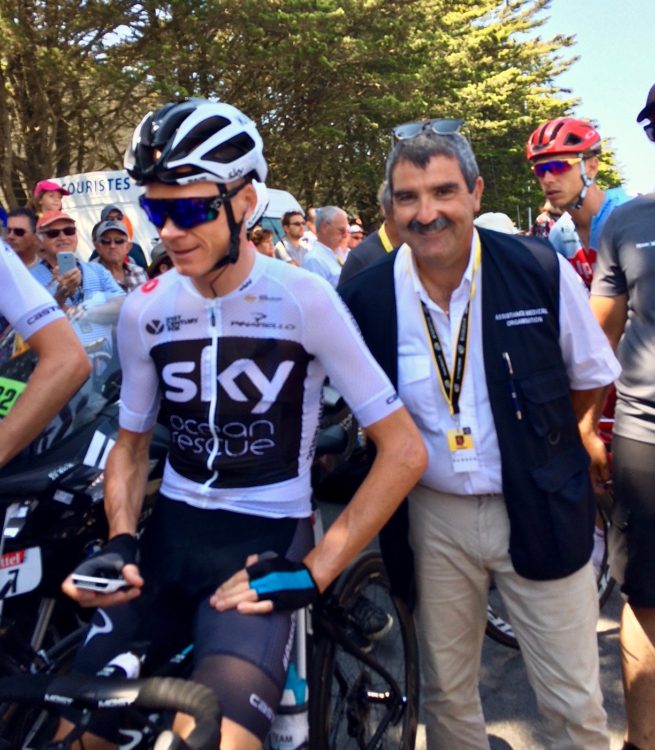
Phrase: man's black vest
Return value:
(544, 465)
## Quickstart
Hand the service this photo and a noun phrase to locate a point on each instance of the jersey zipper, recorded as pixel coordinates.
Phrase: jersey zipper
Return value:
(212, 366)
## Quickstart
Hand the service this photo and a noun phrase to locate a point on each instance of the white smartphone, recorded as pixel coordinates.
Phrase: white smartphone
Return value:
(66, 262)
(101, 585)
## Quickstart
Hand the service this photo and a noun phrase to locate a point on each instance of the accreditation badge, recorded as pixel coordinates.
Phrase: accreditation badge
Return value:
(461, 448)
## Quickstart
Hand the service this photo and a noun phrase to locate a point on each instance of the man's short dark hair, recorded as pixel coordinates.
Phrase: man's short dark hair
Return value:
(288, 215)
(24, 211)
(420, 149)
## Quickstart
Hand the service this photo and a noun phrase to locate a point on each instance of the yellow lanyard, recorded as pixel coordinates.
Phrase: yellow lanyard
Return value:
(451, 386)
(384, 238)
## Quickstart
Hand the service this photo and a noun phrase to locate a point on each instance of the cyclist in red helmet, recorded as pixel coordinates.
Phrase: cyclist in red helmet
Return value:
(564, 156)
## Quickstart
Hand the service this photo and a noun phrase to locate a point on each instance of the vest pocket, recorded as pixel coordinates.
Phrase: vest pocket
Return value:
(570, 506)
(546, 396)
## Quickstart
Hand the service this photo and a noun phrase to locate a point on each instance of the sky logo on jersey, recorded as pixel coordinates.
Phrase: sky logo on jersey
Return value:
(236, 401)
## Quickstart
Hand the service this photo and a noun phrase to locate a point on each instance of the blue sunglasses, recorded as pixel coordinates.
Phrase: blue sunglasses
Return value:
(185, 213)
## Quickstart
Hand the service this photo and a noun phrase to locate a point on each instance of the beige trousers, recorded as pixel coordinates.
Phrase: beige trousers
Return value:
(457, 542)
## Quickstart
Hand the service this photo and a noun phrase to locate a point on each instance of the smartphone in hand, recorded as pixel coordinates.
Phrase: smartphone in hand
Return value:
(66, 262)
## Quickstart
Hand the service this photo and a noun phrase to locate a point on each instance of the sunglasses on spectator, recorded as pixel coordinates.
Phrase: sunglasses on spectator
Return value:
(185, 213)
(439, 127)
(555, 167)
(18, 231)
(650, 130)
(53, 233)
(297, 223)
(112, 240)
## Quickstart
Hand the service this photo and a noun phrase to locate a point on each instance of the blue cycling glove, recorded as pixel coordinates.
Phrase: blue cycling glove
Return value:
(289, 585)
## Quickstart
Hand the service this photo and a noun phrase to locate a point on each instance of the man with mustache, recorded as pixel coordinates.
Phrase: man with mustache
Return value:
(509, 430)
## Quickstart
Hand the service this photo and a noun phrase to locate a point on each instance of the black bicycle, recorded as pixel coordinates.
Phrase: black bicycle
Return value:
(363, 689)
(42, 694)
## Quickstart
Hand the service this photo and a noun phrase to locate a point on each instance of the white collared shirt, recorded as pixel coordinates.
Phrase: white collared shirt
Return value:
(321, 260)
(588, 357)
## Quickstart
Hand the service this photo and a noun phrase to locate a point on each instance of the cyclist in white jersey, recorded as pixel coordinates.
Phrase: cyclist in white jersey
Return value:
(62, 367)
(231, 349)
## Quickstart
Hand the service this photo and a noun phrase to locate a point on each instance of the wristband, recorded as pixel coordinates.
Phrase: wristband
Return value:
(288, 585)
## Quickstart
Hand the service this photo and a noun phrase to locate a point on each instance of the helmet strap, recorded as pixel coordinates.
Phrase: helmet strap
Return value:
(587, 182)
(232, 254)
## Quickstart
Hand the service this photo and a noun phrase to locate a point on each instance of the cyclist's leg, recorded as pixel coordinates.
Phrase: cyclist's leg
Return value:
(451, 613)
(633, 484)
(244, 659)
(555, 623)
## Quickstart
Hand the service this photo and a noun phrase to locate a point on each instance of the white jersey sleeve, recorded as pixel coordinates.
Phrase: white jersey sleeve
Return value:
(589, 359)
(24, 302)
(140, 391)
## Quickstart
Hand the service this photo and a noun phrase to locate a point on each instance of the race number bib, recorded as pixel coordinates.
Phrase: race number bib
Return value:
(10, 390)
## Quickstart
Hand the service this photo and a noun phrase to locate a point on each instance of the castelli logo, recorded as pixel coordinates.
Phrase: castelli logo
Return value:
(149, 285)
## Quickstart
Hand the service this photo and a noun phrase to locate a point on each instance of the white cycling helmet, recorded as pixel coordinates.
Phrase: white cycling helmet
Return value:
(194, 140)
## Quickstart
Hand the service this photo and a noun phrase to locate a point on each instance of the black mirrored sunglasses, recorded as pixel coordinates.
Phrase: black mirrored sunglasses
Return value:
(440, 127)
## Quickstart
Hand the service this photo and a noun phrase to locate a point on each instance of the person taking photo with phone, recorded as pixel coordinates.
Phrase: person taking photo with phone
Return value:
(87, 292)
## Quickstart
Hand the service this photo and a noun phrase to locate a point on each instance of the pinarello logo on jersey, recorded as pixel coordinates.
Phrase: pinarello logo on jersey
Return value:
(155, 327)
(149, 285)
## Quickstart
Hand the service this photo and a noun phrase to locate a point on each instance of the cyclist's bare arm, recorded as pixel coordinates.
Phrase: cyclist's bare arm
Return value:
(400, 461)
(62, 368)
(588, 406)
(612, 314)
(126, 475)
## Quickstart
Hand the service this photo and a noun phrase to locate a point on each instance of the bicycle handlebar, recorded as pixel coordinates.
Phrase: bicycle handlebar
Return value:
(97, 693)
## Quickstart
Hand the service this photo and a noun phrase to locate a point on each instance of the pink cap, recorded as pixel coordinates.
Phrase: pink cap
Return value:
(48, 186)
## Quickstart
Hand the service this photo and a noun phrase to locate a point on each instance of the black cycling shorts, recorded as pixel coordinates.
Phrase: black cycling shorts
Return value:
(186, 553)
(633, 472)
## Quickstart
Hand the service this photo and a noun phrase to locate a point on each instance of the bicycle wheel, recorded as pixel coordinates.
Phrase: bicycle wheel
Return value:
(352, 704)
(498, 626)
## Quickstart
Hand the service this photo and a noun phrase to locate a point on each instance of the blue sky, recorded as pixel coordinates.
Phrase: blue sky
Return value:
(615, 43)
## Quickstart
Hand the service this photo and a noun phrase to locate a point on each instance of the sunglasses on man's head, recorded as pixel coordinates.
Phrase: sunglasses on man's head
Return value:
(439, 127)
(185, 213)
(555, 167)
(18, 231)
(53, 233)
(112, 240)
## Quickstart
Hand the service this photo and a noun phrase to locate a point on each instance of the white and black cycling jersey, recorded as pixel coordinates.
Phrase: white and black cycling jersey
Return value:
(24, 303)
(239, 381)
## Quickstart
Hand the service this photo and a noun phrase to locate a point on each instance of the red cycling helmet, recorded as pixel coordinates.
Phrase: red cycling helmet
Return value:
(564, 135)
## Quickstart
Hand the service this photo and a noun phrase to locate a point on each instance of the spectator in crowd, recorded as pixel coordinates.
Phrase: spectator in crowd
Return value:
(507, 490)
(293, 247)
(48, 196)
(88, 292)
(310, 233)
(355, 236)
(112, 245)
(262, 239)
(564, 154)
(331, 229)
(623, 299)
(377, 244)
(160, 261)
(21, 235)
(545, 221)
(497, 221)
(112, 212)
